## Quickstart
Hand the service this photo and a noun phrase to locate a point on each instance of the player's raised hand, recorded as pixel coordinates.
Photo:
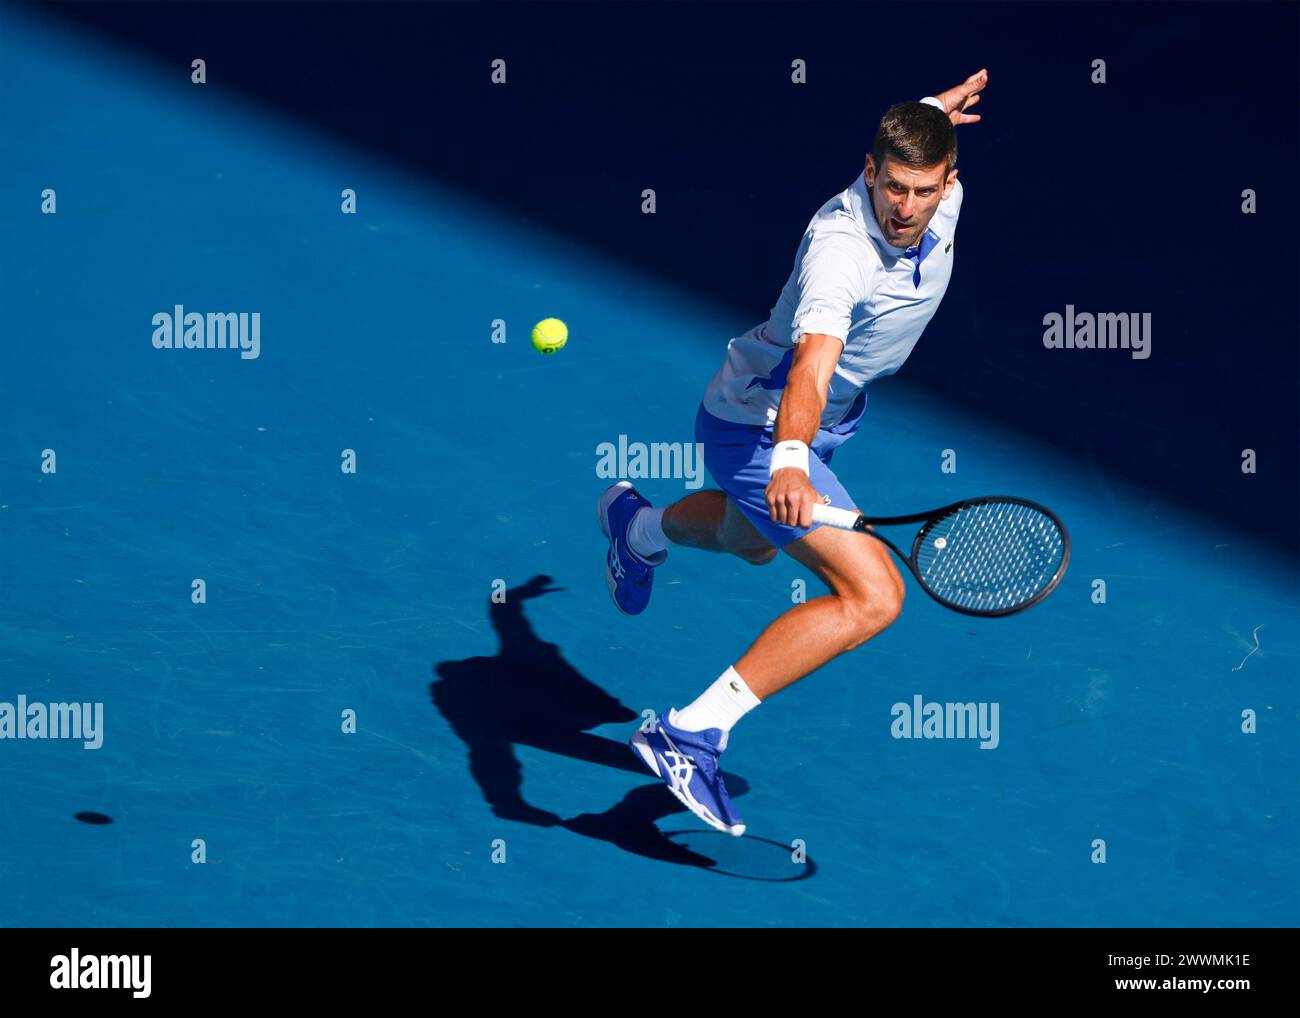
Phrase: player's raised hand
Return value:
(958, 99)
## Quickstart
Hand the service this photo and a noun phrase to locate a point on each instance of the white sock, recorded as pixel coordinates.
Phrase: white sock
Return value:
(645, 534)
(720, 706)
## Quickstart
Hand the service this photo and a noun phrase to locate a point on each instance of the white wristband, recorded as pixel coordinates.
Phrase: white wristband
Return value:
(930, 100)
(790, 453)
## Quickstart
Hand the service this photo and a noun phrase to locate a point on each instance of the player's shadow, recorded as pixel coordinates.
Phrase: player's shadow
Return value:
(529, 695)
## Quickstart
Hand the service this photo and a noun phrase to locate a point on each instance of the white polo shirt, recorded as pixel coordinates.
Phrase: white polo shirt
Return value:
(848, 283)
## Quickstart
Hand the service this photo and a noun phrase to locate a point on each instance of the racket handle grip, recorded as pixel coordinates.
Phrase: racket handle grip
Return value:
(844, 519)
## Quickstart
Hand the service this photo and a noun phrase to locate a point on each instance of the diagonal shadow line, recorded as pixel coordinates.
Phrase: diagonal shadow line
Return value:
(529, 695)
(673, 94)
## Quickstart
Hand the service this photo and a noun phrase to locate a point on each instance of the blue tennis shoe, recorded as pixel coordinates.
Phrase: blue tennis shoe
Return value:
(688, 764)
(628, 575)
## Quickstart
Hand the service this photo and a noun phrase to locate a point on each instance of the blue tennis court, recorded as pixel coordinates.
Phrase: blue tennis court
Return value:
(353, 496)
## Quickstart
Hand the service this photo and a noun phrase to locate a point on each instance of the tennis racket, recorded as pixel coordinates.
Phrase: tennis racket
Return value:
(982, 556)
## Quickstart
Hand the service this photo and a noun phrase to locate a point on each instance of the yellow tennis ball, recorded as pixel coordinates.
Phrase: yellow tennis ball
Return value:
(549, 335)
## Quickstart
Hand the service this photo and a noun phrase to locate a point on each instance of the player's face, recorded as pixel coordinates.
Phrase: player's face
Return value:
(905, 198)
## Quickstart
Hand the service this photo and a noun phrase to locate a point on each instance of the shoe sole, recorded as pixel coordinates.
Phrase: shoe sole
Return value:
(641, 747)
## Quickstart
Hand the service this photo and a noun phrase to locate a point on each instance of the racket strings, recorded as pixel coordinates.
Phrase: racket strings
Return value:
(991, 556)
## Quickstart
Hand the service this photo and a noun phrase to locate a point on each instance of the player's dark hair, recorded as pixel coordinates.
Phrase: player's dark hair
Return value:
(916, 134)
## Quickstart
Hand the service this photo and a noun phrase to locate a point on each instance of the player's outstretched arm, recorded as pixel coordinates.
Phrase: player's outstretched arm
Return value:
(960, 98)
(790, 495)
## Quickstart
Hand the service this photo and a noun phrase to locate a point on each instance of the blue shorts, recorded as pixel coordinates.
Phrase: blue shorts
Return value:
(739, 457)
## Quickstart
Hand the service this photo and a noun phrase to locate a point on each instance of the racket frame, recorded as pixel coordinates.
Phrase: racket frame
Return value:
(838, 518)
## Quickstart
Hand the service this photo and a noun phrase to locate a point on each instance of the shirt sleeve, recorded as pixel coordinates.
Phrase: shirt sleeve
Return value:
(830, 284)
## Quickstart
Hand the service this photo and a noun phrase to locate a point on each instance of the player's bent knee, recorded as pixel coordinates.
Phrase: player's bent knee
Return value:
(740, 537)
(871, 612)
(759, 556)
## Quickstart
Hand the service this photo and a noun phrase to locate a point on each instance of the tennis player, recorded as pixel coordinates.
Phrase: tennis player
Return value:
(870, 271)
